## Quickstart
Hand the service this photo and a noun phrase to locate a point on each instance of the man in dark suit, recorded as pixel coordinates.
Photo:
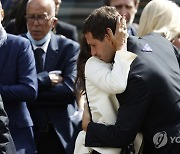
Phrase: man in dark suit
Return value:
(151, 101)
(63, 28)
(51, 113)
(66, 29)
(18, 84)
(129, 9)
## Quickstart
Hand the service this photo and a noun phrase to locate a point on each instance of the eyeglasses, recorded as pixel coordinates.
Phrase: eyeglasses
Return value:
(41, 19)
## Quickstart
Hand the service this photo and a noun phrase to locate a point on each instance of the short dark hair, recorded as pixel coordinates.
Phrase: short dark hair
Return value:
(99, 20)
(107, 2)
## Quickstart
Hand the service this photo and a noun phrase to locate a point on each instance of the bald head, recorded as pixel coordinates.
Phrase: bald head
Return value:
(47, 5)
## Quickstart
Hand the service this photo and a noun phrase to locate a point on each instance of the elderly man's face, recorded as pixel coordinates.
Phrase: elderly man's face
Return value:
(125, 7)
(39, 19)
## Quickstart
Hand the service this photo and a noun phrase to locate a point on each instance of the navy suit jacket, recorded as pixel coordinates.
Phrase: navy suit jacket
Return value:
(18, 80)
(55, 104)
(150, 103)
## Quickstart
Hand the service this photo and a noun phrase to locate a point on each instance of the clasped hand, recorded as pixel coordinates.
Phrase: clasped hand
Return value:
(55, 78)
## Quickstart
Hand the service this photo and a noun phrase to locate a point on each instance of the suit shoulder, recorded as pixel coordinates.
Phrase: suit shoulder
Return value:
(131, 42)
(66, 40)
(18, 44)
(17, 39)
(66, 25)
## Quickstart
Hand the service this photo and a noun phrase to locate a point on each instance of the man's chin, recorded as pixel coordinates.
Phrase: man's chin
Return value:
(36, 37)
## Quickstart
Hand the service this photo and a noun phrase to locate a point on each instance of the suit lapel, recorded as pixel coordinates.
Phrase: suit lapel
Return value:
(53, 53)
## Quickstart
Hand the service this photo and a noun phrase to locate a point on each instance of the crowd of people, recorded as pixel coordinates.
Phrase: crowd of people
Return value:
(115, 90)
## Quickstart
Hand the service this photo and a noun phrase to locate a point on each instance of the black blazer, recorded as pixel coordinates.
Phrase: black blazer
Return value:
(150, 103)
(66, 29)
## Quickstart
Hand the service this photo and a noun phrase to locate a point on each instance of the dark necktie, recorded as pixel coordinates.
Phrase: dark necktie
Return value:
(38, 53)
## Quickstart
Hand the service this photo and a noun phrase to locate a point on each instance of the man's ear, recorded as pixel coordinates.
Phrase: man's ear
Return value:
(109, 34)
(109, 38)
(55, 20)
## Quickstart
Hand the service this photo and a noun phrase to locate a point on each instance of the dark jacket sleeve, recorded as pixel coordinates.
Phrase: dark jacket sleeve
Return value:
(61, 93)
(129, 119)
(25, 86)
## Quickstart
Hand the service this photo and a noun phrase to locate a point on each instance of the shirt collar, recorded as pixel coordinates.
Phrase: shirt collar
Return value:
(44, 46)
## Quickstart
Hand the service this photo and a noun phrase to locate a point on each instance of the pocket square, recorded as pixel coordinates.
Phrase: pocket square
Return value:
(146, 48)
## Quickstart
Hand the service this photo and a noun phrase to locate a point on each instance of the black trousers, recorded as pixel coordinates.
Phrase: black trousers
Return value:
(48, 142)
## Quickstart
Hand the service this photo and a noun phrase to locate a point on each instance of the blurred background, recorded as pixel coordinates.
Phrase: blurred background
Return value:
(75, 11)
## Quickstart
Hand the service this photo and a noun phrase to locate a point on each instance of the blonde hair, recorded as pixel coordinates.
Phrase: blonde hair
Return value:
(161, 16)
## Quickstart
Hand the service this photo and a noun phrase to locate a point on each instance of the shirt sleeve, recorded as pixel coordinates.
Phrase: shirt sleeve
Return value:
(108, 77)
